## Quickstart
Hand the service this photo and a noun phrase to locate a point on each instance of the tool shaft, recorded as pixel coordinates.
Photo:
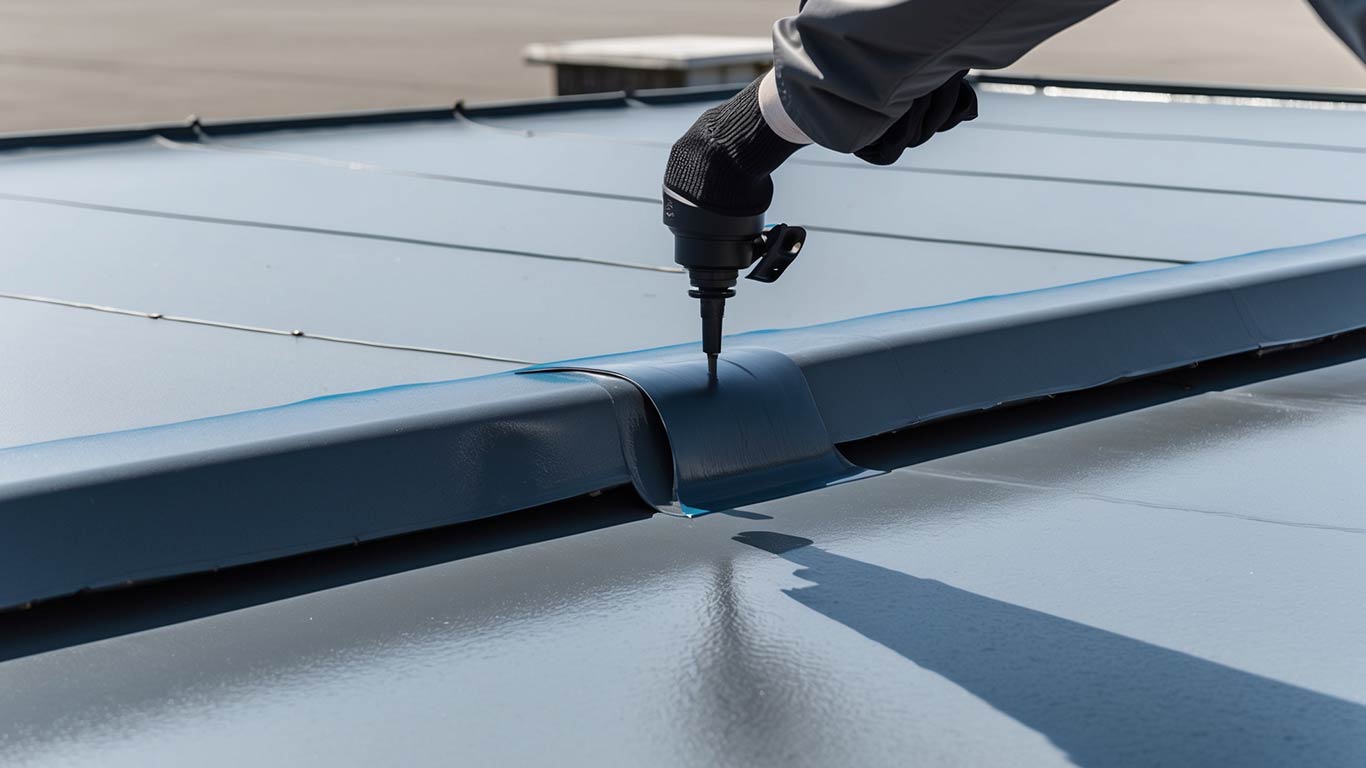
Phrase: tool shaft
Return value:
(713, 311)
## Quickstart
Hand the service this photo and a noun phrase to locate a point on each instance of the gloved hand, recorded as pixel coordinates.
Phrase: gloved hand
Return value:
(724, 160)
(939, 110)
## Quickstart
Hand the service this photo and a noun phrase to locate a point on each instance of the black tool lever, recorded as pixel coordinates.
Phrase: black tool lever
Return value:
(778, 247)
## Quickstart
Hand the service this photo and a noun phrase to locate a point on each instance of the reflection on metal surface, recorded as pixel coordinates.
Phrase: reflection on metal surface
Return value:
(1192, 98)
(1006, 88)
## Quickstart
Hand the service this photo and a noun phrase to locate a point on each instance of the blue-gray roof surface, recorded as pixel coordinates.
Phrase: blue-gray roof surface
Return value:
(1175, 579)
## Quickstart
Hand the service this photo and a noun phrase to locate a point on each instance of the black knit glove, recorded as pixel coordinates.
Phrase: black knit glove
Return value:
(724, 160)
(939, 110)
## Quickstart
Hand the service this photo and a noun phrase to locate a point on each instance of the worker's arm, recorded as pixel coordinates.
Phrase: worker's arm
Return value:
(870, 77)
(845, 70)
(1347, 19)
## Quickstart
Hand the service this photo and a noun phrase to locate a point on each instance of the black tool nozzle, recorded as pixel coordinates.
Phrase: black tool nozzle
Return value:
(714, 247)
(711, 290)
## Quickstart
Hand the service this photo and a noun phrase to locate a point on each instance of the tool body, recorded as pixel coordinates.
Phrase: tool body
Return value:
(715, 247)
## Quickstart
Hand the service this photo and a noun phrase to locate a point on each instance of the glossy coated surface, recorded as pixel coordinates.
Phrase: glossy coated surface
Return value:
(1175, 585)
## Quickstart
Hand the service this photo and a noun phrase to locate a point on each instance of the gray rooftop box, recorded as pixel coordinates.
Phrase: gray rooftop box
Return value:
(665, 61)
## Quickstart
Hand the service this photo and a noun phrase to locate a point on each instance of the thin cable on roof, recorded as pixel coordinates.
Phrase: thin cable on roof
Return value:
(324, 231)
(1110, 94)
(295, 333)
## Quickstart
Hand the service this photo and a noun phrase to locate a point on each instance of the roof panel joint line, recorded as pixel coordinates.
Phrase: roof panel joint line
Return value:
(196, 218)
(296, 333)
(996, 246)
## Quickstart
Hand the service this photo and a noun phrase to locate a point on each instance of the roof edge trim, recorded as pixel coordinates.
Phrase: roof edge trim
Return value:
(188, 129)
(325, 120)
(116, 134)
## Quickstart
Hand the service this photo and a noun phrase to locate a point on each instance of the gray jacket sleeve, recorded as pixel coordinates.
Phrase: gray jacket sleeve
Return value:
(845, 70)
(1347, 19)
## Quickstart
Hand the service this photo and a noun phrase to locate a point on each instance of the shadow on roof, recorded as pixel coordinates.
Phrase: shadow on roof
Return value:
(1103, 698)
